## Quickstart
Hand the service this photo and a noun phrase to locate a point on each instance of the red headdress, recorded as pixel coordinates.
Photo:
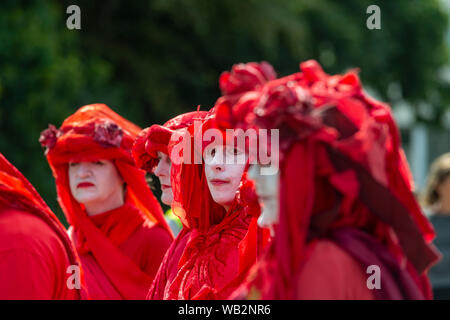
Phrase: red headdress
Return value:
(344, 149)
(95, 132)
(17, 192)
(156, 138)
(212, 238)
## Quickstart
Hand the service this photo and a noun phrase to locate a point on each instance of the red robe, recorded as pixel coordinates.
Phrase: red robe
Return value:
(330, 273)
(168, 268)
(206, 262)
(344, 148)
(144, 247)
(216, 247)
(33, 259)
(35, 251)
(122, 248)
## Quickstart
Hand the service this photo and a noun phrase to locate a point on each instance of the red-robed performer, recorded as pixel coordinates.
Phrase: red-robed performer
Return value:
(150, 149)
(346, 223)
(151, 154)
(37, 258)
(215, 245)
(117, 224)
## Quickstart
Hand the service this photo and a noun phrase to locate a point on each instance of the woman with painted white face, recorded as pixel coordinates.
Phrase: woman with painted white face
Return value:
(97, 185)
(162, 171)
(267, 187)
(333, 236)
(150, 153)
(224, 178)
(116, 223)
(35, 251)
(213, 200)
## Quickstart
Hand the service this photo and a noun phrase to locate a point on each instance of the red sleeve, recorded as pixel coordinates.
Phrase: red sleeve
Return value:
(33, 260)
(24, 275)
(169, 266)
(330, 273)
(159, 241)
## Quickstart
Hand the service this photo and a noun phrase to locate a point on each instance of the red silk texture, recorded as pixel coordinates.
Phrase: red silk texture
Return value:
(17, 192)
(95, 132)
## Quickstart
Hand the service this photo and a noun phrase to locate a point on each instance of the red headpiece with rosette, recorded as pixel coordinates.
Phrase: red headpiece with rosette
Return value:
(93, 133)
(339, 154)
(241, 235)
(16, 192)
(156, 138)
(211, 263)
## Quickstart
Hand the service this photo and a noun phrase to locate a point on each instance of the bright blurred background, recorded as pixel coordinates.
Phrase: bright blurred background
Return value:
(151, 60)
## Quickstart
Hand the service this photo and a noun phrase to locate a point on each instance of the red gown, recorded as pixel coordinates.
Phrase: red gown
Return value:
(340, 154)
(121, 249)
(144, 248)
(203, 264)
(215, 248)
(35, 251)
(33, 260)
(330, 273)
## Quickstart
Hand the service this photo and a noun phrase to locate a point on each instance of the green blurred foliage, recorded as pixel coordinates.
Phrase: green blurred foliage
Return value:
(44, 76)
(151, 60)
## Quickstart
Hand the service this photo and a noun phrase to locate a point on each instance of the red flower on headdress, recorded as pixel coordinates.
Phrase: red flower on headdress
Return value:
(245, 77)
(144, 158)
(49, 136)
(289, 108)
(108, 134)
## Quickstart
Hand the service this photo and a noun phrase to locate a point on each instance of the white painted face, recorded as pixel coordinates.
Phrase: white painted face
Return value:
(267, 190)
(224, 166)
(98, 185)
(162, 171)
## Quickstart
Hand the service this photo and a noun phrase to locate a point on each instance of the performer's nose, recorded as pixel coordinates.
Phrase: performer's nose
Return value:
(83, 171)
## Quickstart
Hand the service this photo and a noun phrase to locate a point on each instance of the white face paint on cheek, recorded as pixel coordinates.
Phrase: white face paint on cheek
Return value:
(162, 171)
(267, 190)
(223, 179)
(94, 182)
(234, 172)
(109, 179)
(83, 184)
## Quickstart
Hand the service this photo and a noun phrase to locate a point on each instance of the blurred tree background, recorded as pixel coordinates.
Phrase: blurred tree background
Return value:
(151, 60)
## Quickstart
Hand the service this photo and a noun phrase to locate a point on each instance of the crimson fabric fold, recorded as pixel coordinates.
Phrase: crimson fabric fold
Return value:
(339, 153)
(156, 138)
(121, 253)
(35, 248)
(215, 246)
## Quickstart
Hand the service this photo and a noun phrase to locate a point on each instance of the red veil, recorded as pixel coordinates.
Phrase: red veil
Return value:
(344, 148)
(16, 192)
(206, 255)
(93, 133)
(156, 138)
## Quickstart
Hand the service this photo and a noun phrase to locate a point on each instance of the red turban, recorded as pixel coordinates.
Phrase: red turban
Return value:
(156, 138)
(215, 248)
(95, 132)
(344, 149)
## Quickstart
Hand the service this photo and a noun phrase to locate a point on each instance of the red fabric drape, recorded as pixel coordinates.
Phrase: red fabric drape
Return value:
(217, 247)
(16, 192)
(344, 149)
(156, 138)
(93, 133)
(117, 225)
